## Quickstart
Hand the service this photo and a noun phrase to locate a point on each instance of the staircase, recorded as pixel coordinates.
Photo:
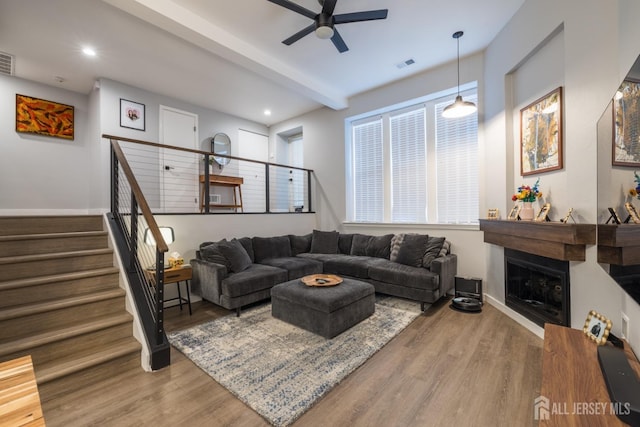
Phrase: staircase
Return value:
(61, 303)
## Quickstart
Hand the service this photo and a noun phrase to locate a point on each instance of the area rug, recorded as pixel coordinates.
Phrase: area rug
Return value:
(280, 370)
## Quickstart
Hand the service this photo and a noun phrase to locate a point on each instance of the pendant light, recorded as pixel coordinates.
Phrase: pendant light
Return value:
(459, 108)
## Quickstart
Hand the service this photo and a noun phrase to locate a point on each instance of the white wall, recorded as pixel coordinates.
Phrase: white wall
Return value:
(39, 173)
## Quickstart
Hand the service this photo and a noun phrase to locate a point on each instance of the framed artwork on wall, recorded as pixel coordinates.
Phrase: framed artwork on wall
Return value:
(132, 115)
(626, 124)
(541, 134)
(43, 117)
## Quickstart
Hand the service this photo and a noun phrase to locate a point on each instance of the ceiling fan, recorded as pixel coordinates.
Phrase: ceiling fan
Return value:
(324, 21)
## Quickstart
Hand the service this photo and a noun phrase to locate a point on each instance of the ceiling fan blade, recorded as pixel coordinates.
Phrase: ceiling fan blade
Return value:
(369, 15)
(300, 34)
(328, 6)
(295, 7)
(339, 42)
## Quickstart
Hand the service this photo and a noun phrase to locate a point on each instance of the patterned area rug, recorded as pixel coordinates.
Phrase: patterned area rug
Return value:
(280, 370)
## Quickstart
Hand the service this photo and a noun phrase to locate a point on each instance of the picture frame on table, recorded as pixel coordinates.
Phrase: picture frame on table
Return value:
(626, 116)
(132, 115)
(633, 213)
(541, 134)
(543, 214)
(597, 327)
(567, 216)
(514, 213)
(493, 213)
(613, 217)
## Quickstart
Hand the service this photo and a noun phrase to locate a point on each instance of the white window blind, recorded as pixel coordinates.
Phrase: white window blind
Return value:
(367, 168)
(409, 166)
(457, 166)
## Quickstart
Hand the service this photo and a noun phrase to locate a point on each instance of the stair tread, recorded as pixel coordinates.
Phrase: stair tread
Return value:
(53, 278)
(58, 255)
(57, 369)
(64, 234)
(47, 337)
(42, 307)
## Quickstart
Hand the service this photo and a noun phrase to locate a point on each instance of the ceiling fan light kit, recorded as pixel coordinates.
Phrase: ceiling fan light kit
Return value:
(459, 108)
(325, 21)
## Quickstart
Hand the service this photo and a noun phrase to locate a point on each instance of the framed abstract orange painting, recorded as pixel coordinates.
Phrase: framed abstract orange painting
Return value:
(43, 117)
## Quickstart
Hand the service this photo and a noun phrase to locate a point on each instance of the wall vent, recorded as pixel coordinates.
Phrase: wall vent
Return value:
(215, 199)
(406, 63)
(6, 64)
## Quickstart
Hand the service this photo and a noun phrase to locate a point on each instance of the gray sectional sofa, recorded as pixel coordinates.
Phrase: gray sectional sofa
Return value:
(235, 273)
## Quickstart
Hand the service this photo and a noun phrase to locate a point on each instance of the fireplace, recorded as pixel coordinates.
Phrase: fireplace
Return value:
(537, 287)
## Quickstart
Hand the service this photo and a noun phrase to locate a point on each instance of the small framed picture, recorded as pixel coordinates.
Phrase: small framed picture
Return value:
(626, 113)
(514, 212)
(493, 214)
(614, 218)
(633, 213)
(132, 115)
(567, 216)
(543, 215)
(597, 327)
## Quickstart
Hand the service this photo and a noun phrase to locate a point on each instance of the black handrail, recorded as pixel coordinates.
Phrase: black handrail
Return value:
(129, 214)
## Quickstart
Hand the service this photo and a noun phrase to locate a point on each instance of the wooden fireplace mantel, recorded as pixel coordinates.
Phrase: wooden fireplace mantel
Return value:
(565, 242)
(619, 244)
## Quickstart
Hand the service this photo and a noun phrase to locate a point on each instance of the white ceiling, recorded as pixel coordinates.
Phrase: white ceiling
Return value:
(227, 55)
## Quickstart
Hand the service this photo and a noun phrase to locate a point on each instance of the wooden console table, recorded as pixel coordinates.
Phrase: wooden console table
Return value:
(233, 182)
(19, 397)
(572, 379)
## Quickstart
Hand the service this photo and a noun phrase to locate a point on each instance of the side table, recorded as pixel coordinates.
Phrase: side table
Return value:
(177, 275)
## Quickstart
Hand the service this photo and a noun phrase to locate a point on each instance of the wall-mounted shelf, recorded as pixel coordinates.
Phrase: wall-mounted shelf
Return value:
(619, 244)
(566, 242)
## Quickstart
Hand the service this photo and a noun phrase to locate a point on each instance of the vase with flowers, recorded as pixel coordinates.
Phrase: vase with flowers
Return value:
(527, 195)
(635, 192)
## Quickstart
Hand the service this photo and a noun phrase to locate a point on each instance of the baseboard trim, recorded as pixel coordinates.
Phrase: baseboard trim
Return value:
(531, 326)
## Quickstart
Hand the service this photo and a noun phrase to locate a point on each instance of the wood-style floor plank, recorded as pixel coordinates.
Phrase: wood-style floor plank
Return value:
(445, 369)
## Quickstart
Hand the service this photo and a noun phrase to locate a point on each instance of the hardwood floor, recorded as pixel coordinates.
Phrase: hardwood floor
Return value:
(446, 369)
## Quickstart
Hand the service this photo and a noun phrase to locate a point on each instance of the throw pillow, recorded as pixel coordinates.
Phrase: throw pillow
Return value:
(380, 246)
(412, 250)
(359, 244)
(344, 243)
(248, 246)
(236, 255)
(396, 241)
(434, 244)
(446, 249)
(324, 242)
(300, 244)
(212, 253)
(271, 247)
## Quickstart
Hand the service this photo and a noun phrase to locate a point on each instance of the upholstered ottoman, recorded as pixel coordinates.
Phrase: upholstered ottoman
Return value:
(324, 310)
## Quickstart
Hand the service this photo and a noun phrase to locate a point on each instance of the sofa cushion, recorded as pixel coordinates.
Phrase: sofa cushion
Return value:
(211, 252)
(373, 246)
(300, 244)
(320, 257)
(434, 244)
(236, 255)
(271, 247)
(255, 278)
(412, 249)
(248, 246)
(403, 275)
(296, 266)
(350, 265)
(344, 243)
(324, 242)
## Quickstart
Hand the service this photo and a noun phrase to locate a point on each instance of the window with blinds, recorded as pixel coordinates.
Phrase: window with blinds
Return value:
(411, 165)
(368, 164)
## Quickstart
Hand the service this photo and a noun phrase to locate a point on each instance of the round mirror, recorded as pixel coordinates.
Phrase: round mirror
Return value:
(221, 144)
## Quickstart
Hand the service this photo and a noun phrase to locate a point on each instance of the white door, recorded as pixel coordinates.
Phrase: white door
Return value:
(255, 147)
(178, 169)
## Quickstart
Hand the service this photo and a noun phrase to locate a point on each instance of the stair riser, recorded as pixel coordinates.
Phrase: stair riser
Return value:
(94, 340)
(24, 269)
(10, 226)
(54, 290)
(24, 326)
(52, 245)
(74, 382)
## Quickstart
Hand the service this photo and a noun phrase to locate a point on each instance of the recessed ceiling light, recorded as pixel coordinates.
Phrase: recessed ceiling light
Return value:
(267, 112)
(89, 51)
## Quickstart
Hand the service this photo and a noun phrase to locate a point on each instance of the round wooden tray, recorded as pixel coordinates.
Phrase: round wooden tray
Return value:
(321, 280)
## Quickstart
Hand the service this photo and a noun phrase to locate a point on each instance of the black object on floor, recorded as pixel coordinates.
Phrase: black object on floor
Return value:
(466, 304)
